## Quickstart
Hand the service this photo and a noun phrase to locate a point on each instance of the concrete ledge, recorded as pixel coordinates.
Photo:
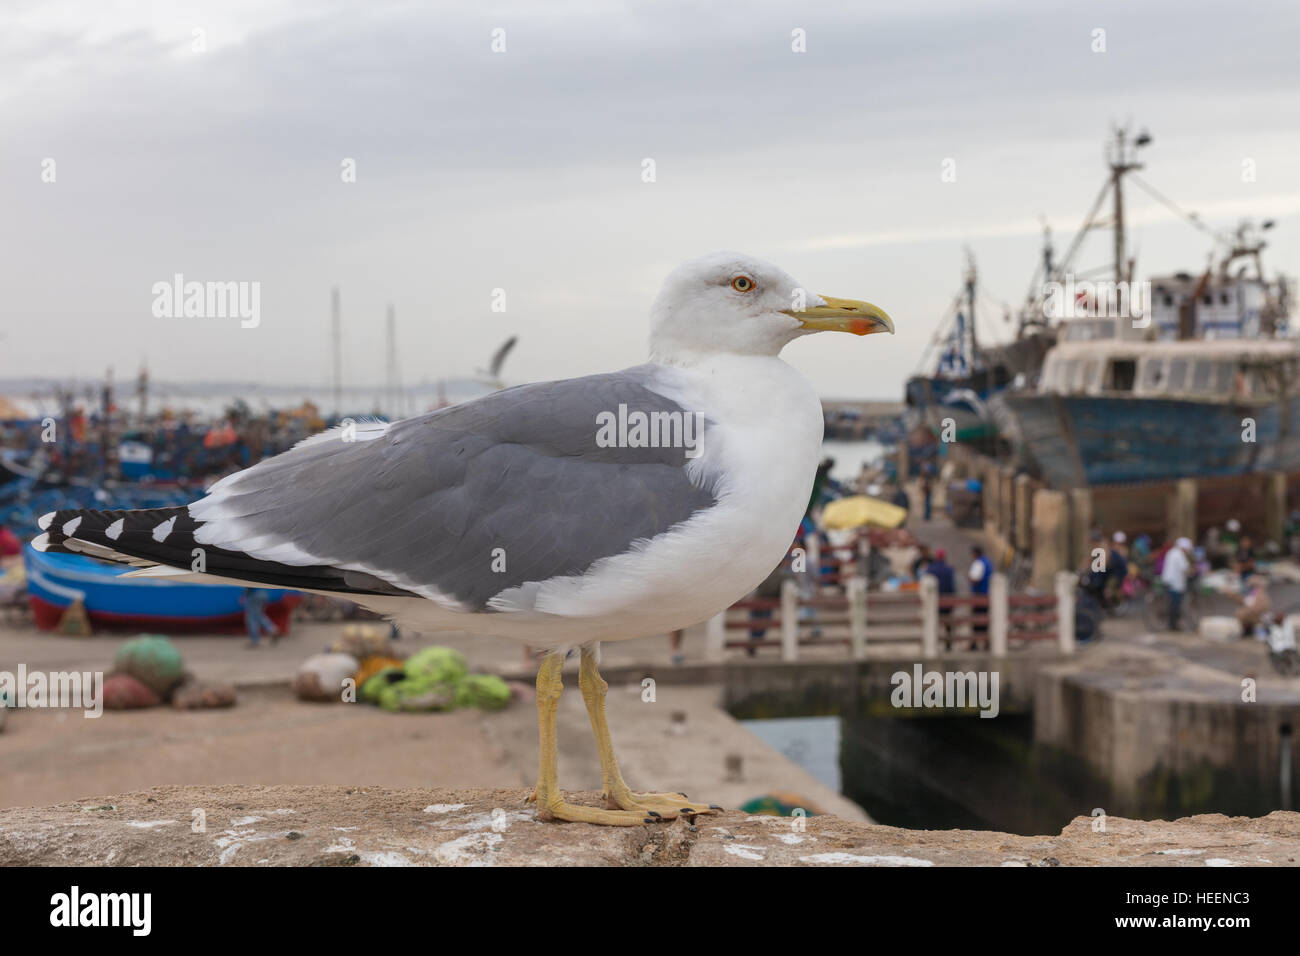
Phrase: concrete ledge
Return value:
(370, 826)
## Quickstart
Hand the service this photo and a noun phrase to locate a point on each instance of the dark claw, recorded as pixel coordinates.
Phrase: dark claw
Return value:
(686, 796)
(652, 820)
(691, 810)
(655, 813)
(714, 806)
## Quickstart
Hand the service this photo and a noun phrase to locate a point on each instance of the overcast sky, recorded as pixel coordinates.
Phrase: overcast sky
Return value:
(522, 170)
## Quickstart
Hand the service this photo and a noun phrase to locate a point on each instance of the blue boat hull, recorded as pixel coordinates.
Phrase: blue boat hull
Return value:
(54, 581)
(1078, 440)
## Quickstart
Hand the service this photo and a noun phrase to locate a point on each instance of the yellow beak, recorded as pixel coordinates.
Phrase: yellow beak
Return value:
(844, 315)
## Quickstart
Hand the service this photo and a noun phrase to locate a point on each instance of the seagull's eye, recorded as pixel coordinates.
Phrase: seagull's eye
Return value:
(742, 284)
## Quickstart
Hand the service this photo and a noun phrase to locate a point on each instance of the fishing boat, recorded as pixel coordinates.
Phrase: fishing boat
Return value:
(1108, 412)
(56, 581)
(1187, 375)
(950, 395)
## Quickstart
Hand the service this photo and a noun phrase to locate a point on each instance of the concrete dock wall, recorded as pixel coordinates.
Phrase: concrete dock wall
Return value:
(1165, 733)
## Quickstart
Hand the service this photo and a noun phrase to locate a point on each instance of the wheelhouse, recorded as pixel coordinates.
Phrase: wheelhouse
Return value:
(1192, 370)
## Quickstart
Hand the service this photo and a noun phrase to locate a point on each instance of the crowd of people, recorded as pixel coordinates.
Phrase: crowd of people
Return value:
(979, 574)
(1117, 571)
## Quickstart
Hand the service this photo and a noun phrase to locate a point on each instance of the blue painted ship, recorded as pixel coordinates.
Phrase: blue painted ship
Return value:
(1122, 412)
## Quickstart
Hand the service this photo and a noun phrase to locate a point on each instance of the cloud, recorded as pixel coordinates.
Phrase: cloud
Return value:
(522, 170)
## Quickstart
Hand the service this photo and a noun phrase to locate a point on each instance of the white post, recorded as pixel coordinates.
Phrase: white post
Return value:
(715, 637)
(1065, 582)
(815, 563)
(856, 590)
(789, 620)
(929, 591)
(999, 613)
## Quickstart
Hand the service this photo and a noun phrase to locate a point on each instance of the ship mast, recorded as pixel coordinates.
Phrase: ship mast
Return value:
(970, 305)
(105, 423)
(393, 397)
(336, 339)
(972, 344)
(1122, 160)
(142, 390)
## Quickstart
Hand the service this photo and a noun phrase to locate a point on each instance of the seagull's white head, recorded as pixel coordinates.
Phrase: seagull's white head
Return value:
(727, 302)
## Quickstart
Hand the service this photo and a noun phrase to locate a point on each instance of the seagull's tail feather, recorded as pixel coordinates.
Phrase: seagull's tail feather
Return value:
(161, 542)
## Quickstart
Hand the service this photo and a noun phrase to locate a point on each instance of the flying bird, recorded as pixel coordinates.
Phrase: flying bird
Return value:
(561, 514)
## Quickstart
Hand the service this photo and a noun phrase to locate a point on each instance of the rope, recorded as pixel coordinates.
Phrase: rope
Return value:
(1191, 217)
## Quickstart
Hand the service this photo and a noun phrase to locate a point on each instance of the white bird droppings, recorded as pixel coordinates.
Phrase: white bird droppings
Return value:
(854, 860)
(464, 850)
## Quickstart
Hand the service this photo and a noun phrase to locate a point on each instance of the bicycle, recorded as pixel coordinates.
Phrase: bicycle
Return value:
(1157, 607)
(1088, 613)
(1129, 598)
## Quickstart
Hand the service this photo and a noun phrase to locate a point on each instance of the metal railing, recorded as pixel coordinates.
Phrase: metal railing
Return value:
(858, 619)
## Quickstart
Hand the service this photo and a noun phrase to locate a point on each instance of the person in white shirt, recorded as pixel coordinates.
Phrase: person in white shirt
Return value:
(1174, 576)
(980, 575)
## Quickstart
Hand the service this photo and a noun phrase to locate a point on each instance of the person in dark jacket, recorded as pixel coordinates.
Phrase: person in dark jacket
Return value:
(947, 579)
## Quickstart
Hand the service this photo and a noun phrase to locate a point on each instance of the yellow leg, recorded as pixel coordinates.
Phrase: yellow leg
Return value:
(666, 806)
(551, 804)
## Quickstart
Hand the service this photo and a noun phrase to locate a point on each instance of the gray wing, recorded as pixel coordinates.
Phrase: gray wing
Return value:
(470, 500)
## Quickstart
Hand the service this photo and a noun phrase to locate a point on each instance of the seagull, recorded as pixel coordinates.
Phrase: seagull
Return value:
(561, 514)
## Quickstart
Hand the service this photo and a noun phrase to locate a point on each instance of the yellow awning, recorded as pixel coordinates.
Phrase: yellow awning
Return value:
(861, 511)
